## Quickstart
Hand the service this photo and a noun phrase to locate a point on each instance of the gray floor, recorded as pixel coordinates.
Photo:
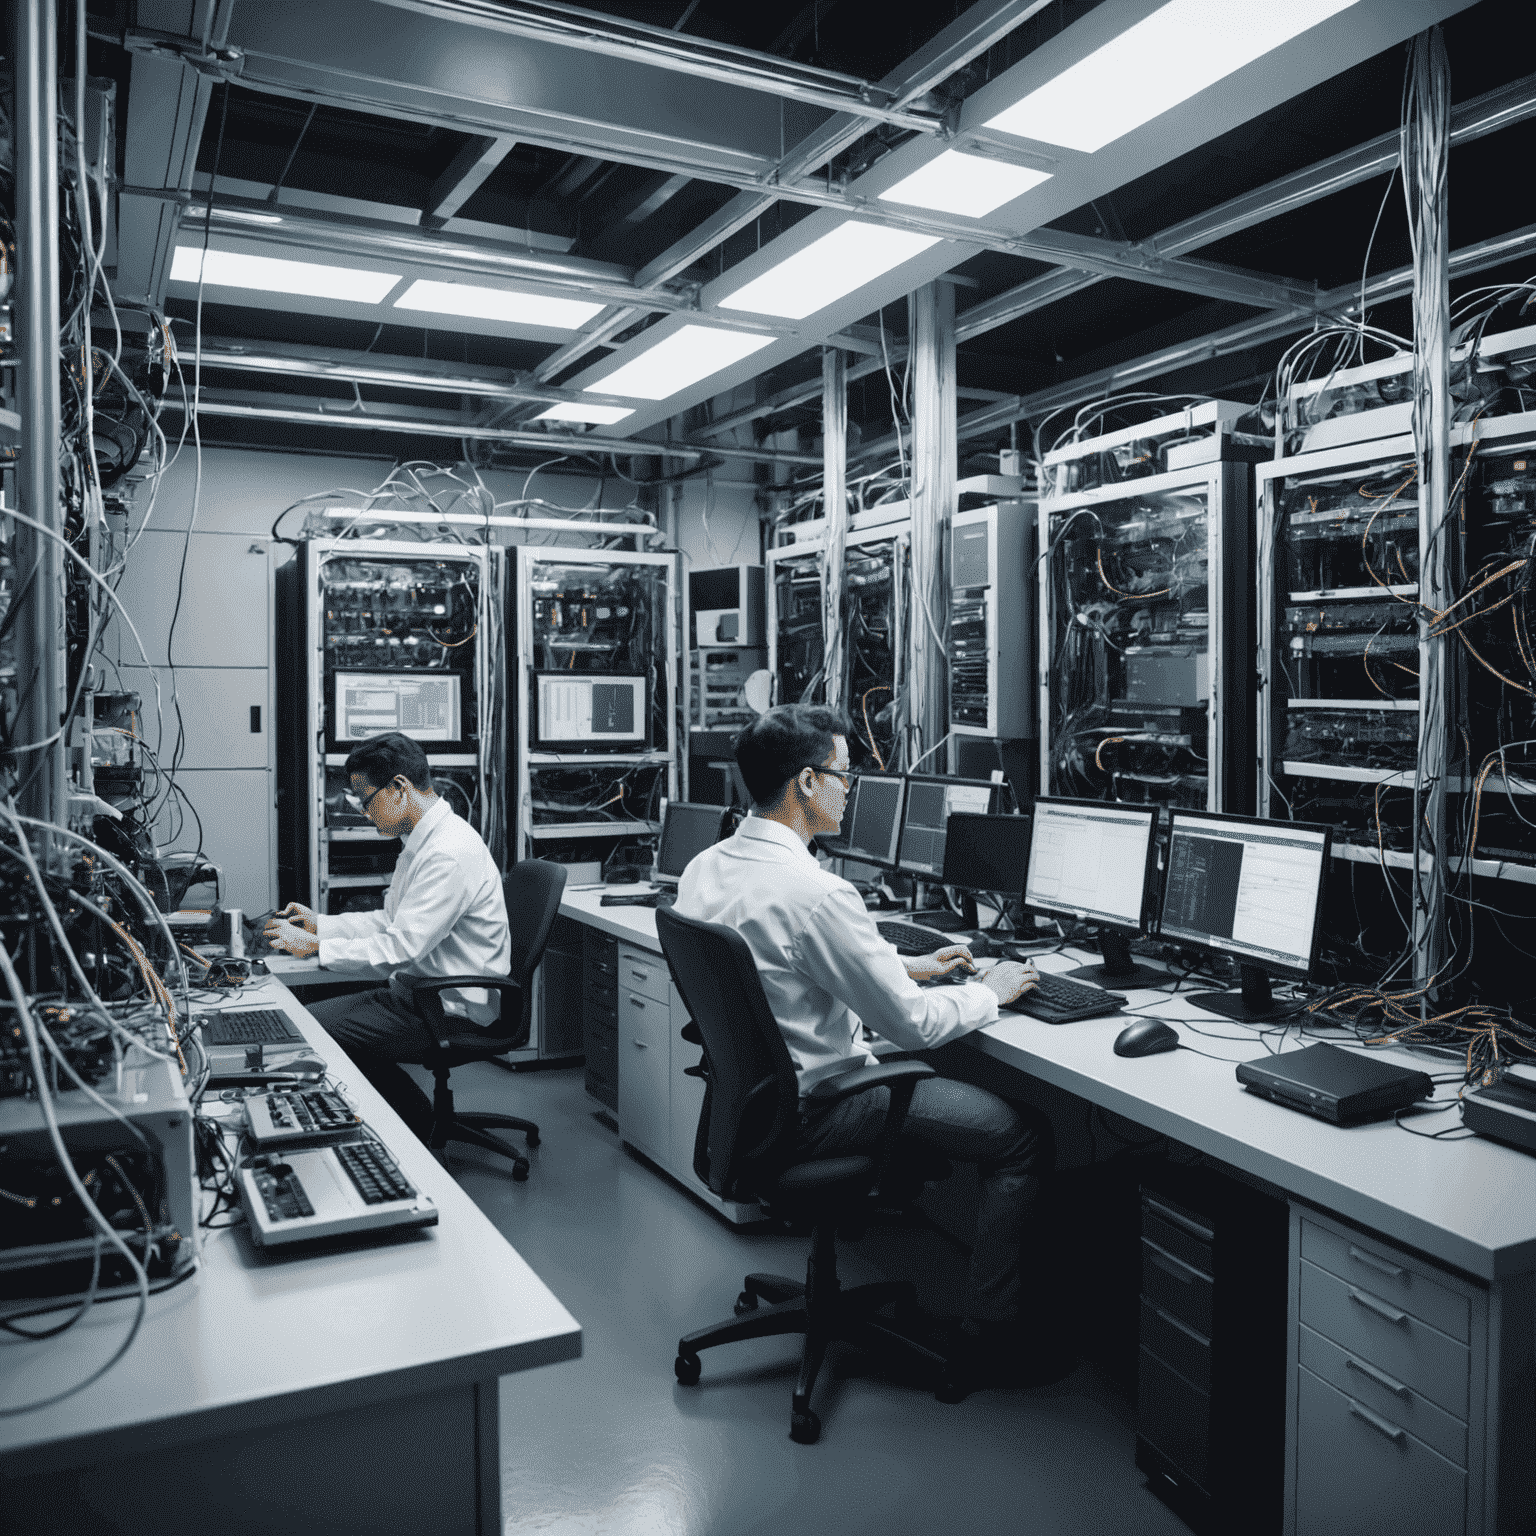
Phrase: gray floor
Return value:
(611, 1444)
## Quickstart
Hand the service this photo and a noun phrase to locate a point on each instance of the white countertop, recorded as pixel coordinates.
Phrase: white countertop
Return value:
(255, 1338)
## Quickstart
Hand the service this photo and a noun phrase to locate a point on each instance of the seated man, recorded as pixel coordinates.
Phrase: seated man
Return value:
(444, 915)
(826, 970)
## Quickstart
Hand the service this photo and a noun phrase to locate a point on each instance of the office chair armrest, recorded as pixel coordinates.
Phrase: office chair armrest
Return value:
(902, 1078)
(426, 999)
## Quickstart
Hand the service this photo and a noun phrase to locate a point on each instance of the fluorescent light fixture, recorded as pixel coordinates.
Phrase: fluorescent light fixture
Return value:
(580, 410)
(970, 185)
(824, 271)
(683, 358)
(1166, 58)
(476, 303)
(274, 274)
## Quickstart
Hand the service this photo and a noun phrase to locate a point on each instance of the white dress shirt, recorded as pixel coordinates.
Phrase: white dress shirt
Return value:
(444, 915)
(824, 966)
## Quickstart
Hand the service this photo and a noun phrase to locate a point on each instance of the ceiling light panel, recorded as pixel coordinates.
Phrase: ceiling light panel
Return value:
(685, 357)
(970, 185)
(827, 269)
(274, 274)
(593, 413)
(1165, 59)
(505, 304)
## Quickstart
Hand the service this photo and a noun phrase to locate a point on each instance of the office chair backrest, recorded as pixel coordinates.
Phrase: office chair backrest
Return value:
(532, 889)
(753, 1094)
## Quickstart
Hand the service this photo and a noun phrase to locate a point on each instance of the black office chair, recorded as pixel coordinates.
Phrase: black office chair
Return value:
(532, 889)
(745, 1150)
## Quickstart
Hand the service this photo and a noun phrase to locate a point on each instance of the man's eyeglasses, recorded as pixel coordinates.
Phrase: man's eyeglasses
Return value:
(363, 804)
(846, 775)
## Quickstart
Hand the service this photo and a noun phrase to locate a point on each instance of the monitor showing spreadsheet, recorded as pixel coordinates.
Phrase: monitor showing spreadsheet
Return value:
(580, 710)
(931, 801)
(425, 705)
(1090, 860)
(1247, 888)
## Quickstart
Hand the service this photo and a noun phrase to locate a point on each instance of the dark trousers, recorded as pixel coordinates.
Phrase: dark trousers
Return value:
(1011, 1145)
(378, 1033)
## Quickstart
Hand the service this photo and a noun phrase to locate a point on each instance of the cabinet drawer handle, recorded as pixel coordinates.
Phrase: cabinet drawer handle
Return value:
(639, 975)
(1380, 1425)
(1205, 1234)
(1379, 1265)
(636, 1001)
(1170, 1266)
(1380, 1308)
(1378, 1376)
(641, 1043)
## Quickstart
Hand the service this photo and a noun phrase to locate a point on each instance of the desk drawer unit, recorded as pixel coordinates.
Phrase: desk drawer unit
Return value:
(1389, 1372)
(600, 1016)
(644, 973)
(645, 1073)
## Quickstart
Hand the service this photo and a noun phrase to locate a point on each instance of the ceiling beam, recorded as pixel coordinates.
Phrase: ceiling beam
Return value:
(466, 174)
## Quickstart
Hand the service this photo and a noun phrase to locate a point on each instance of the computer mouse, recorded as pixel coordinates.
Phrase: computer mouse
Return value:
(259, 968)
(1146, 1037)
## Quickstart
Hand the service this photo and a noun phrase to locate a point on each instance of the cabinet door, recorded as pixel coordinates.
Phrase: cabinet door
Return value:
(644, 1073)
(687, 1098)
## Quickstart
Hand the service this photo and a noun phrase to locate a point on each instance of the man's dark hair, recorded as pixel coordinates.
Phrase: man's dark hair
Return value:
(777, 745)
(382, 758)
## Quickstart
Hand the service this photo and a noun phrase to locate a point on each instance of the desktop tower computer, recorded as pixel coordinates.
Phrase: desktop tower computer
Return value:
(1210, 1399)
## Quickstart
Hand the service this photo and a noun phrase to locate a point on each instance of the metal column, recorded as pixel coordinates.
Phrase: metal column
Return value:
(40, 655)
(834, 484)
(931, 332)
(1426, 152)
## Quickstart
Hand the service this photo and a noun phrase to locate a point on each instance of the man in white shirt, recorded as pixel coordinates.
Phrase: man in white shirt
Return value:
(826, 971)
(444, 915)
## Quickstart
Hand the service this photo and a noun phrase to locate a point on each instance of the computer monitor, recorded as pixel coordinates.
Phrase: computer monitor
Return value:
(872, 820)
(1251, 889)
(1093, 861)
(986, 856)
(931, 801)
(594, 709)
(425, 704)
(686, 830)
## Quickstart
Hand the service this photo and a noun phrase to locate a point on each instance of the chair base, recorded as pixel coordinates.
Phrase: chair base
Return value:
(448, 1125)
(824, 1313)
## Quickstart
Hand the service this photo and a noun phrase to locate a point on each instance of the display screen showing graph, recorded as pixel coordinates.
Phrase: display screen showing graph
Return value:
(1249, 890)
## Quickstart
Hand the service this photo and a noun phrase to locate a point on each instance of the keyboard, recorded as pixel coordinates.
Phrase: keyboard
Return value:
(292, 1117)
(298, 1194)
(911, 938)
(1055, 1000)
(643, 899)
(252, 1026)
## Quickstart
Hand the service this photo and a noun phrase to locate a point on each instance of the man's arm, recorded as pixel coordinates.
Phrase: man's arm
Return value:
(436, 898)
(840, 949)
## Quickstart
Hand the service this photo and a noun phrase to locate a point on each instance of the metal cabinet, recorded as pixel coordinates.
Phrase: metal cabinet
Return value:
(645, 1065)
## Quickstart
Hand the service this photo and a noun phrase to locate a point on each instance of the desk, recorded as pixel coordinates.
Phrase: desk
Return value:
(352, 1389)
(1467, 1206)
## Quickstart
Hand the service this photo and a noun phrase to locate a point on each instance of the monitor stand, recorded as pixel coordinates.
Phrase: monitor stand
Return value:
(1118, 969)
(1254, 1003)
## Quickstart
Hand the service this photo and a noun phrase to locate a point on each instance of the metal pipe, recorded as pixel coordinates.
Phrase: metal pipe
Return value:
(569, 26)
(834, 482)
(40, 655)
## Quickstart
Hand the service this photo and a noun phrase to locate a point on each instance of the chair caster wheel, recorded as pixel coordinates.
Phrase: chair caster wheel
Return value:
(746, 1302)
(804, 1428)
(533, 1138)
(520, 1172)
(686, 1369)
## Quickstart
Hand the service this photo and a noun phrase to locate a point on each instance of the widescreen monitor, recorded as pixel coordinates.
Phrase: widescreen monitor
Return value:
(426, 705)
(931, 801)
(687, 829)
(1249, 888)
(587, 710)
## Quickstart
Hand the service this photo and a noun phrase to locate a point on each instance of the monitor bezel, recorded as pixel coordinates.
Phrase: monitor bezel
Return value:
(1263, 962)
(938, 778)
(640, 741)
(669, 882)
(846, 851)
(1149, 906)
(457, 746)
(977, 890)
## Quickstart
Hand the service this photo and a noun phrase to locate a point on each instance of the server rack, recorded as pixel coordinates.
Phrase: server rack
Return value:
(380, 606)
(1146, 633)
(992, 621)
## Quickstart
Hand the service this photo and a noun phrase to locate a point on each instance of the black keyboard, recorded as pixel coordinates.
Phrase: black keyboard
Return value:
(317, 1110)
(911, 938)
(643, 899)
(374, 1173)
(256, 1026)
(1055, 1000)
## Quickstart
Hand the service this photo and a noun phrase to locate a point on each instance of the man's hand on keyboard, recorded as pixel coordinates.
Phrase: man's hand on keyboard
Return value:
(290, 939)
(1011, 978)
(941, 962)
